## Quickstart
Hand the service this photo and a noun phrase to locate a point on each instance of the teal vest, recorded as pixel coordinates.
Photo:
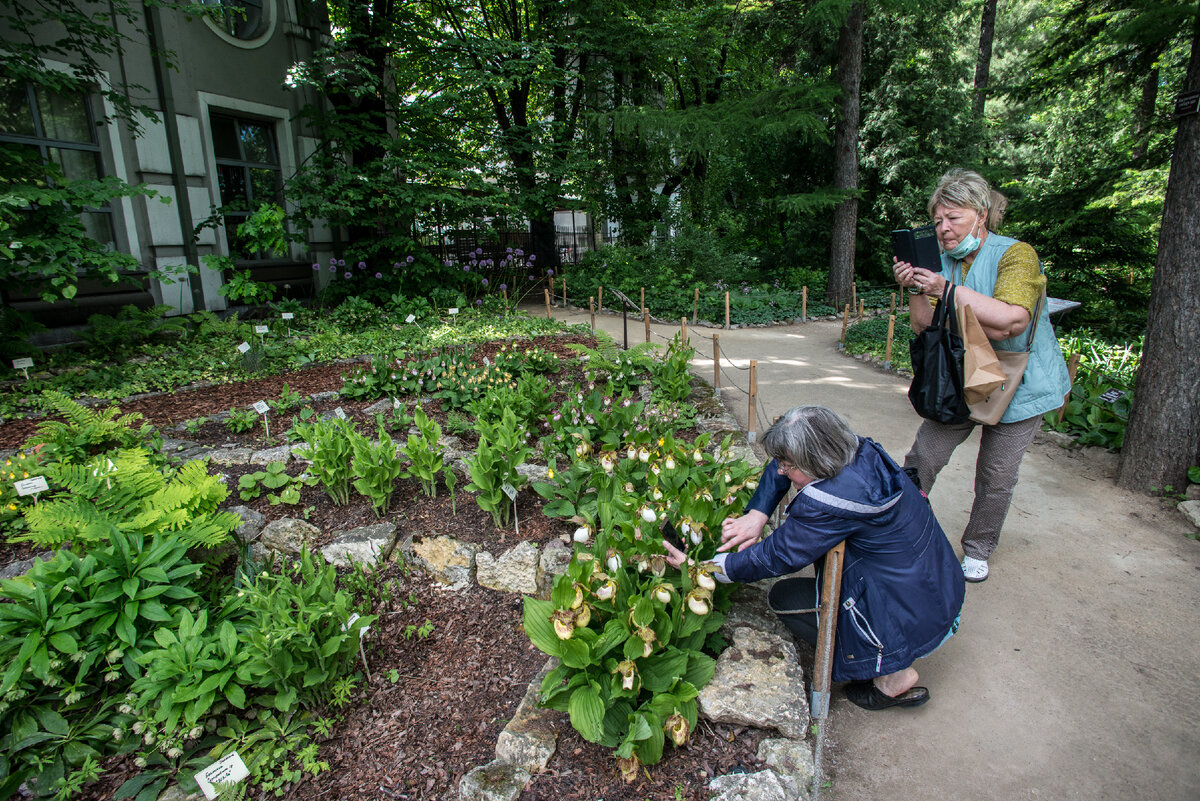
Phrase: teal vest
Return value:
(1045, 381)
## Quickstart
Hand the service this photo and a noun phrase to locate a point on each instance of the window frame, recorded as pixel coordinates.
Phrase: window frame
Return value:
(245, 165)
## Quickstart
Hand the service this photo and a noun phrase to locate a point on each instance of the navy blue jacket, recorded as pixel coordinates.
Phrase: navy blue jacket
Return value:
(902, 586)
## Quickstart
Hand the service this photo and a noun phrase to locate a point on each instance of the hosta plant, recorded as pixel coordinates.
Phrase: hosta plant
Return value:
(376, 468)
(330, 447)
(425, 452)
(502, 447)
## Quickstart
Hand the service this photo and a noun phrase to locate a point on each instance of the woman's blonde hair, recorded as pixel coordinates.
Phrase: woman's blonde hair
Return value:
(962, 189)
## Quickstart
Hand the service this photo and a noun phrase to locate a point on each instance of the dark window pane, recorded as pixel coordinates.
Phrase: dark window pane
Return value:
(77, 165)
(264, 186)
(15, 115)
(247, 18)
(232, 183)
(224, 134)
(232, 240)
(99, 226)
(258, 144)
(64, 117)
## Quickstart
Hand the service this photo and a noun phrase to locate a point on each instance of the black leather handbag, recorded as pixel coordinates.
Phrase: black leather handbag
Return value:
(937, 359)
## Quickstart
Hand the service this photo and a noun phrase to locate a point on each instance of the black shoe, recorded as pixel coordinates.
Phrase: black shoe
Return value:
(868, 696)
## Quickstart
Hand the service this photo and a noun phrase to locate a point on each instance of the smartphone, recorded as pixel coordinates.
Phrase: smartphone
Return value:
(918, 247)
(671, 534)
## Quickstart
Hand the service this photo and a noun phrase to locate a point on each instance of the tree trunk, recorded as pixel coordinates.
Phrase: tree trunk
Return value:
(1163, 438)
(983, 63)
(845, 165)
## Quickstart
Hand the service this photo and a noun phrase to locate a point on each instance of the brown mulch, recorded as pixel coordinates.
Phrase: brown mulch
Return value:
(434, 706)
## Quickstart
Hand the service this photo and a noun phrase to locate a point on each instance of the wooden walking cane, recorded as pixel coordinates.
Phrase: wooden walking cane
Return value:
(831, 586)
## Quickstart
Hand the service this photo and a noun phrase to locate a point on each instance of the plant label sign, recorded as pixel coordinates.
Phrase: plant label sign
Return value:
(288, 316)
(509, 490)
(22, 364)
(261, 407)
(487, 362)
(1112, 396)
(410, 318)
(229, 769)
(32, 486)
(244, 347)
(261, 329)
(362, 632)
(452, 311)
(340, 413)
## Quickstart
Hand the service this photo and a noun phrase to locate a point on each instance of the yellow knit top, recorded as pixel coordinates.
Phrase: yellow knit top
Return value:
(1019, 278)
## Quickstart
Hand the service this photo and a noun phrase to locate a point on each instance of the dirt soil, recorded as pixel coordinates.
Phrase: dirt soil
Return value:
(435, 705)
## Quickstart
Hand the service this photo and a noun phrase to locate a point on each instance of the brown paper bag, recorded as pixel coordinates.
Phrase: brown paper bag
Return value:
(982, 371)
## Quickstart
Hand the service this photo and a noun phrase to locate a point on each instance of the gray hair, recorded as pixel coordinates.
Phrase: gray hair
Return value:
(962, 189)
(813, 438)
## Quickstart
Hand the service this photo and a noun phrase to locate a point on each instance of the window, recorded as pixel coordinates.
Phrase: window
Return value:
(248, 172)
(241, 19)
(59, 128)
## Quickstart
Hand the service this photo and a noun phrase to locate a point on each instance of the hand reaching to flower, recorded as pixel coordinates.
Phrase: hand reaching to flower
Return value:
(739, 533)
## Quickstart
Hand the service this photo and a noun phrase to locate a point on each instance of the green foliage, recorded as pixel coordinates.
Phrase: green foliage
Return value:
(376, 468)
(383, 377)
(1104, 367)
(425, 453)
(330, 448)
(503, 446)
(275, 477)
(131, 327)
(127, 492)
(239, 421)
(84, 433)
(870, 336)
(624, 369)
(355, 313)
(671, 379)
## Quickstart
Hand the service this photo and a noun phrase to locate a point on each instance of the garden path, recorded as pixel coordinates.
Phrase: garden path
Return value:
(1076, 674)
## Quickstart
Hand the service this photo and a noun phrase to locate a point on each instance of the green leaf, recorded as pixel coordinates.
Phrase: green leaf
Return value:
(700, 669)
(587, 713)
(539, 628)
(660, 671)
(576, 653)
(64, 642)
(51, 721)
(130, 587)
(559, 508)
(126, 631)
(235, 695)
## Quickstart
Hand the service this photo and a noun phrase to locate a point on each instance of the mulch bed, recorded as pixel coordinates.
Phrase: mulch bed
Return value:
(434, 706)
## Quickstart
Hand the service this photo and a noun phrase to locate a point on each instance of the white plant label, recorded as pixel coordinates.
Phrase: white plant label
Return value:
(509, 490)
(288, 316)
(261, 407)
(410, 318)
(486, 362)
(22, 364)
(261, 329)
(361, 632)
(32, 486)
(395, 403)
(452, 311)
(340, 413)
(244, 347)
(229, 769)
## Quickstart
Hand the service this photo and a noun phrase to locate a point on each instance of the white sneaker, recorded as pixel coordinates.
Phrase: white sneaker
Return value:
(974, 570)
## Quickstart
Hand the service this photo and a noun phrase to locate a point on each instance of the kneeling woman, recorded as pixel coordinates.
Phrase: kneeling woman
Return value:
(902, 587)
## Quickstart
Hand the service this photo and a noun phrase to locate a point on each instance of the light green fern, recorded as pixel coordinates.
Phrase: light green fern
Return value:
(84, 433)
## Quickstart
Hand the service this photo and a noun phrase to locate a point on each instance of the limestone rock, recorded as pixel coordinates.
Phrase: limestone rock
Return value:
(288, 535)
(790, 758)
(739, 451)
(758, 682)
(25, 565)
(252, 523)
(447, 560)
(766, 785)
(190, 455)
(719, 425)
(1059, 438)
(1191, 510)
(175, 793)
(553, 561)
(229, 456)
(1193, 492)
(495, 781)
(534, 472)
(317, 397)
(379, 407)
(529, 739)
(364, 545)
(280, 454)
(514, 571)
(750, 608)
(452, 448)
(171, 445)
(300, 452)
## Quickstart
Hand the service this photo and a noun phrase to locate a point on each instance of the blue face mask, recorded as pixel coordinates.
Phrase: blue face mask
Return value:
(969, 244)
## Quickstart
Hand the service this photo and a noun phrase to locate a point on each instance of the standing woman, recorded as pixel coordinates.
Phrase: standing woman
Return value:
(1001, 279)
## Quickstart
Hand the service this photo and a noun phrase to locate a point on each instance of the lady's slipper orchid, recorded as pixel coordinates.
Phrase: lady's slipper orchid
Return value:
(578, 602)
(614, 560)
(697, 456)
(662, 593)
(643, 455)
(656, 494)
(581, 534)
(648, 514)
(628, 768)
(697, 601)
(564, 623)
(608, 462)
(607, 590)
(629, 674)
(677, 729)
(583, 616)
(669, 463)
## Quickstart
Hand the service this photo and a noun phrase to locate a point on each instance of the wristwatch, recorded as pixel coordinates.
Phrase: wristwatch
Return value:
(917, 291)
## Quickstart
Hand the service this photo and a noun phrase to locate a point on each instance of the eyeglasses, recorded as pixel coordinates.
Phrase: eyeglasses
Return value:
(783, 468)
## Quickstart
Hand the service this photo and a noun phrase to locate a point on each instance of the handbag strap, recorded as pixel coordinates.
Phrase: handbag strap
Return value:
(1031, 330)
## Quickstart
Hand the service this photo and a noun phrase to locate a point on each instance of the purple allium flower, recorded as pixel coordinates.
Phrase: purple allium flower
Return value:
(316, 266)
(395, 265)
(410, 260)
(362, 265)
(485, 282)
(503, 287)
(466, 268)
(532, 278)
(349, 274)
(333, 261)
(550, 272)
(379, 275)
(447, 263)
(508, 250)
(519, 252)
(479, 302)
(341, 262)
(478, 251)
(533, 257)
(333, 268)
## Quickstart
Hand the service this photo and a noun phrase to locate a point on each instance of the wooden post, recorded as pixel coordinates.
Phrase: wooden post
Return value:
(845, 319)
(862, 309)
(831, 587)
(592, 310)
(716, 361)
(547, 294)
(1072, 366)
(504, 297)
(683, 331)
(804, 304)
(853, 293)
(887, 359)
(564, 286)
(893, 309)
(727, 310)
(646, 320)
(643, 298)
(552, 287)
(751, 422)
(695, 305)
(600, 298)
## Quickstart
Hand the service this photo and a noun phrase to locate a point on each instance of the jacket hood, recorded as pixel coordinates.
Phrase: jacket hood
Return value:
(869, 487)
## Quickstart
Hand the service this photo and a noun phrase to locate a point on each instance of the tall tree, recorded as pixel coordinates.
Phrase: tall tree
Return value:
(845, 165)
(983, 62)
(1163, 438)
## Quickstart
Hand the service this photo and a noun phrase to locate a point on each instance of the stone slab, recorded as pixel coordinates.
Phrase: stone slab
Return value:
(365, 545)
(758, 682)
